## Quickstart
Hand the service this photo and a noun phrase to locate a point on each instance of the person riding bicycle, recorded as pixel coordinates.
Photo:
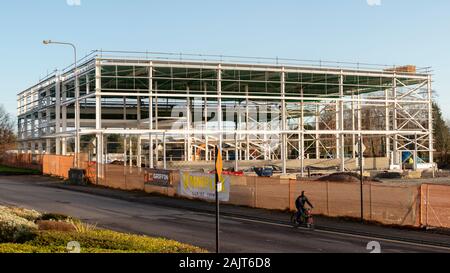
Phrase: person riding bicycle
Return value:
(300, 204)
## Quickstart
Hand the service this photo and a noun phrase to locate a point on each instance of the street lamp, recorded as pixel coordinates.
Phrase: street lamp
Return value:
(77, 96)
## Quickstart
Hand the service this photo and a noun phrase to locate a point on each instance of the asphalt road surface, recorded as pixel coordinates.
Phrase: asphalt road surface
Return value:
(237, 235)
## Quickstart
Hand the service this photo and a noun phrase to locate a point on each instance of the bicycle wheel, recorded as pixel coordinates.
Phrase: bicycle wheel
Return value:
(294, 220)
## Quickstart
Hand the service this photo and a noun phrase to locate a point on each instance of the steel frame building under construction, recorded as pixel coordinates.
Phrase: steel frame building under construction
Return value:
(154, 109)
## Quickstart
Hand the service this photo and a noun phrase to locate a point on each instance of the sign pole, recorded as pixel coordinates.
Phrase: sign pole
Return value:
(219, 168)
(217, 218)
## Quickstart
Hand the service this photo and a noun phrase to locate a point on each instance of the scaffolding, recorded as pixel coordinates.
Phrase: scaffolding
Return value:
(149, 109)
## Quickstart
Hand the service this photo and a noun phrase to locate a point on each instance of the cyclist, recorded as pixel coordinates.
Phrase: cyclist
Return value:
(300, 205)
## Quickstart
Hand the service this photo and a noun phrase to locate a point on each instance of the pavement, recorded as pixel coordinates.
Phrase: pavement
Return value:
(243, 230)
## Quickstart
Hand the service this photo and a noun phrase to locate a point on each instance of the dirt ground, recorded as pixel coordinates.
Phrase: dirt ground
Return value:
(442, 177)
(419, 181)
(345, 177)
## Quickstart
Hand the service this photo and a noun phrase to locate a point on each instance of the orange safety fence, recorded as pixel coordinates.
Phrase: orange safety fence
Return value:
(90, 168)
(127, 178)
(121, 177)
(392, 204)
(387, 204)
(57, 165)
(435, 205)
(26, 161)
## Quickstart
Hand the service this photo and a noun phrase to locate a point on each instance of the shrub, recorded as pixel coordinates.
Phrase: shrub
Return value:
(19, 234)
(14, 228)
(55, 225)
(54, 217)
(110, 241)
(26, 248)
(81, 227)
(30, 215)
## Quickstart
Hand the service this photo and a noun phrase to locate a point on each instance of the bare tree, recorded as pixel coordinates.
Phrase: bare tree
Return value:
(7, 134)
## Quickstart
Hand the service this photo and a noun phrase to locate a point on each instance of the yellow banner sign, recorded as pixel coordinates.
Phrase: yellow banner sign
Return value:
(203, 186)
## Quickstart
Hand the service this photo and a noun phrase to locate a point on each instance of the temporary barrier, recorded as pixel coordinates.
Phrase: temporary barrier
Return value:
(132, 178)
(57, 165)
(393, 204)
(25, 161)
(121, 177)
(435, 205)
(387, 204)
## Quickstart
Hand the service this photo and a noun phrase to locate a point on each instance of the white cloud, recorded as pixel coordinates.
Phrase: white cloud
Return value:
(373, 3)
(73, 2)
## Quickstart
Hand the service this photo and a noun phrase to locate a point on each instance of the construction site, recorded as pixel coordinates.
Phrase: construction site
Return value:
(152, 122)
(170, 110)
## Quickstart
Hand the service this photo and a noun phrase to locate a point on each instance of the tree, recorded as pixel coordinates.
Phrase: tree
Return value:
(7, 135)
(441, 136)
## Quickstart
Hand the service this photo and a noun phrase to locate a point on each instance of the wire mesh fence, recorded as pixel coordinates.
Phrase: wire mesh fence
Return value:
(435, 205)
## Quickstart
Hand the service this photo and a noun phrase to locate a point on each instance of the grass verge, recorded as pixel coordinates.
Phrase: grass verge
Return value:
(97, 241)
(5, 170)
(28, 231)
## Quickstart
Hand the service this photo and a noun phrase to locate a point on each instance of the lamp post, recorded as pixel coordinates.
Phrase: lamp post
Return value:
(77, 95)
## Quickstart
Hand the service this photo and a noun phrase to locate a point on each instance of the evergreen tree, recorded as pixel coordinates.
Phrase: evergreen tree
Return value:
(441, 136)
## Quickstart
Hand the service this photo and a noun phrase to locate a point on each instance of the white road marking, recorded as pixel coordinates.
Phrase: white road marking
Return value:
(342, 234)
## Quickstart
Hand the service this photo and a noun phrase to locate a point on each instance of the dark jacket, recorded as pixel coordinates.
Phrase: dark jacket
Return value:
(301, 201)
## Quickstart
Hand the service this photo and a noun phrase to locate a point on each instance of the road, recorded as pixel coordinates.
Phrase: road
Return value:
(237, 235)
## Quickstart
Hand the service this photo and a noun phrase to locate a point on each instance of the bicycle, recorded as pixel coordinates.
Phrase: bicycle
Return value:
(306, 219)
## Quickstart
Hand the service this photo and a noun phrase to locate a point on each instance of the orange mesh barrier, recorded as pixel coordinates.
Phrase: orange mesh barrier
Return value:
(407, 205)
(57, 165)
(242, 191)
(387, 204)
(116, 176)
(25, 161)
(272, 193)
(126, 178)
(435, 206)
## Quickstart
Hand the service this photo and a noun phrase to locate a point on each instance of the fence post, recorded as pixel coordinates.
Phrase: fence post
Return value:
(256, 192)
(59, 167)
(427, 205)
(290, 193)
(370, 201)
(420, 197)
(127, 170)
(328, 201)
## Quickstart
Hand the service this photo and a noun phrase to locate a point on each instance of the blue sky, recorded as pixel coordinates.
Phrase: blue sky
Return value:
(394, 32)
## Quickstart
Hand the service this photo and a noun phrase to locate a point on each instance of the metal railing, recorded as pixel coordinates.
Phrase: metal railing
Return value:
(245, 60)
